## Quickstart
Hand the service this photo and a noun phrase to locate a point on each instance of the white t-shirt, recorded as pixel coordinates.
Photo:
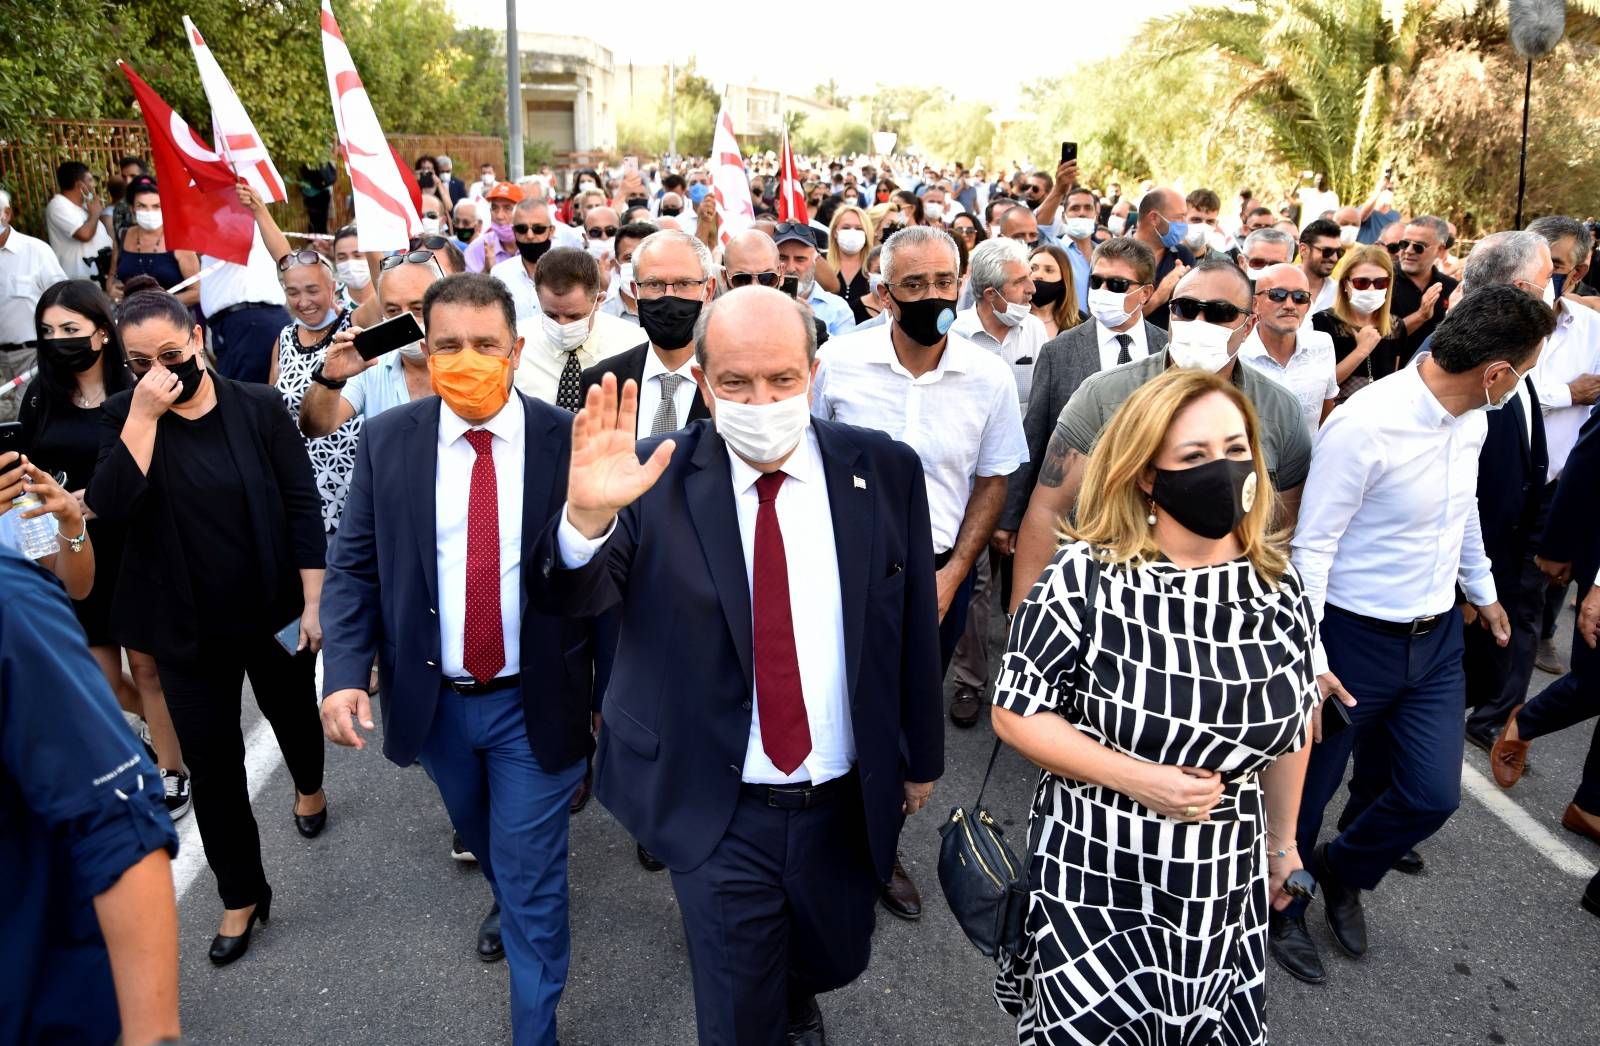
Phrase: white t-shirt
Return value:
(62, 219)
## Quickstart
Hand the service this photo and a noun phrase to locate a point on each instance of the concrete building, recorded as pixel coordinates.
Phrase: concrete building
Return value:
(569, 92)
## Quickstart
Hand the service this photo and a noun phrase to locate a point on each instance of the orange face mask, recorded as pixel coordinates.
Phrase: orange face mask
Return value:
(472, 384)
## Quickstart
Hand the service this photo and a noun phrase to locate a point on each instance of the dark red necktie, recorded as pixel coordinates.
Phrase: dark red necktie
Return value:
(785, 734)
(483, 645)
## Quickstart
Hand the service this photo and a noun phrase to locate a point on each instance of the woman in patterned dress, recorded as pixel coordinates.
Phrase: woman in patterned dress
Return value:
(1182, 691)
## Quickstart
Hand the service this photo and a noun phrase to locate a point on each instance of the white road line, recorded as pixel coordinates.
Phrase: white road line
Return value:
(261, 759)
(1520, 821)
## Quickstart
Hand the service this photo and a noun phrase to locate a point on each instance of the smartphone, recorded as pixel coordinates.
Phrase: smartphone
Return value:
(1301, 884)
(1335, 717)
(790, 286)
(10, 437)
(1069, 151)
(387, 336)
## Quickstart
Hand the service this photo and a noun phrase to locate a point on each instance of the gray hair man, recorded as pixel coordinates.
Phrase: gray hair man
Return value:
(1265, 248)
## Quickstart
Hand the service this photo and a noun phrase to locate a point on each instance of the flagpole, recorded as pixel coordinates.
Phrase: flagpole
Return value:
(513, 93)
(672, 107)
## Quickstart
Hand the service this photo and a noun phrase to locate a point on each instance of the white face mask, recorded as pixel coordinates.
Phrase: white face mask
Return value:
(1198, 344)
(354, 273)
(1549, 294)
(767, 431)
(1080, 228)
(565, 336)
(1348, 234)
(1368, 301)
(852, 240)
(1115, 224)
(430, 226)
(1013, 313)
(416, 352)
(625, 277)
(1195, 238)
(933, 211)
(597, 249)
(488, 179)
(1107, 306)
(149, 221)
(875, 281)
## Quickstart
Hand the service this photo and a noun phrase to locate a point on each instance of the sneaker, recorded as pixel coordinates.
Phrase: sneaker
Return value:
(176, 783)
(458, 849)
(1548, 659)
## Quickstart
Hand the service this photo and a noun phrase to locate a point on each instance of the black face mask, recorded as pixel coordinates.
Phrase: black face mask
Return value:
(637, 201)
(670, 211)
(188, 374)
(532, 252)
(425, 180)
(466, 232)
(76, 354)
(1048, 292)
(669, 321)
(1208, 499)
(925, 321)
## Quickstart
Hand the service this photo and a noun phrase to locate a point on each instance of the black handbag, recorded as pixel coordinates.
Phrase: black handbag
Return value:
(985, 884)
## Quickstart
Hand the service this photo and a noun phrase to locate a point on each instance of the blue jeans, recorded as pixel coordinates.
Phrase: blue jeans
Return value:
(511, 813)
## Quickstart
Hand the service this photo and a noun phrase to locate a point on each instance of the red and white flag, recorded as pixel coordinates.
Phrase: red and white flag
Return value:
(791, 191)
(730, 183)
(231, 126)
(386, 214)
(200, 207)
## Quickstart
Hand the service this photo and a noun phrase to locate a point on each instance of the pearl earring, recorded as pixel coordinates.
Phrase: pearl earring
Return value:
(1151, 518)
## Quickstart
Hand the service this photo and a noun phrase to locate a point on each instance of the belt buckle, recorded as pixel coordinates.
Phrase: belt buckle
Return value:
(1424, 625)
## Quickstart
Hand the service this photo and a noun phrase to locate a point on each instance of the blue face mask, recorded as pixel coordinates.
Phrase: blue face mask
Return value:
(1559, 282)
(1174, 235)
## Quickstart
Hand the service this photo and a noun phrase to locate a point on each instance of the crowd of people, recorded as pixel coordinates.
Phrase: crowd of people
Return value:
(1272, 498)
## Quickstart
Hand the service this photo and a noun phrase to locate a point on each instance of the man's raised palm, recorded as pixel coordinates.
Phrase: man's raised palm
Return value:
(606, 475)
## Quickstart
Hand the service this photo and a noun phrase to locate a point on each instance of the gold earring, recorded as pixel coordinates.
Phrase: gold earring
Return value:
(1151, 518)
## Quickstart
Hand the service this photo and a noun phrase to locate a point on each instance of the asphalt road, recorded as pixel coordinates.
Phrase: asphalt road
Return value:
(373, 927)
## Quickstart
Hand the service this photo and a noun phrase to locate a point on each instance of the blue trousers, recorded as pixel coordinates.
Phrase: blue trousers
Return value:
(1409, 692)
(955, 620)
(783, 909)
(1566, 702)
(511, 813)
(246, 340)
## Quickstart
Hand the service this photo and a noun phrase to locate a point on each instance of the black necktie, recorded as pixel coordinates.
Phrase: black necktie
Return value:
(1123, 355)
(567, 392)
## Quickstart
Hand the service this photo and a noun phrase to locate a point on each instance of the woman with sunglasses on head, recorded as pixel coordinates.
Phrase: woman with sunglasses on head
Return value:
(1366, 340)
(965, 227)
(211, 480)
(141, 250)
(886, 221)
(848, 237)
(1055, 299)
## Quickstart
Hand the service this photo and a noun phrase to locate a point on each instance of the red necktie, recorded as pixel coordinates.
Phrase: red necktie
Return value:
(483, 645)
(785, 735)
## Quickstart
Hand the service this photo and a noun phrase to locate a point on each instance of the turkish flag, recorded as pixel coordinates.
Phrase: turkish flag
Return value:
(791, 191)
(200, 207)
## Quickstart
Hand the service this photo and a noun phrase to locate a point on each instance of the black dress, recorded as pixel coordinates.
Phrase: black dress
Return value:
(854, 291)
(1384, 358)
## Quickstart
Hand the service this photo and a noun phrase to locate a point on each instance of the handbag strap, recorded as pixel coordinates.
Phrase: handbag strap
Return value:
(1091, 591)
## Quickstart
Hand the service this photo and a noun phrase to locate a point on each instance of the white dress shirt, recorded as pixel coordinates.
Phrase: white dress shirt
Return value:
(1571, 351)
(650, 391)
(1309, 373)
(961, 417)
(1389, 517)
(1019, 350)
(514, 274)
(452, 486)
(1322, 302)
(233, 284)
(615, 306)
(62, 218)
(27, 267)
(1111, 349)
(539, 371)
(805, 516)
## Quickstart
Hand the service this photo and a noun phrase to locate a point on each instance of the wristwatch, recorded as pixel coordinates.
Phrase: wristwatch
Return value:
(325, 381)
(76, 544)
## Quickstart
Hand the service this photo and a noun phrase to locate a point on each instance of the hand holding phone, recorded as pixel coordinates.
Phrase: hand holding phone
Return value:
(1069, 151)
(393, 333)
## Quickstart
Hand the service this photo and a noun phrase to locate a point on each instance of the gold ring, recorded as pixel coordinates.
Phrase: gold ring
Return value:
(1190, 811)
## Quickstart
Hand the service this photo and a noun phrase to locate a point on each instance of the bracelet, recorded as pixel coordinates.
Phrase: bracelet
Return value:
(76, 544)
(325, 381)
(1285, 851)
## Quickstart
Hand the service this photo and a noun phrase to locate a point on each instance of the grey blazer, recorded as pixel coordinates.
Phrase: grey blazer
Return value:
(1063, 364)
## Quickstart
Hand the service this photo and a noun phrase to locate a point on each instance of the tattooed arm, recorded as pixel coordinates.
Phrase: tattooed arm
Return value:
(1060, 476)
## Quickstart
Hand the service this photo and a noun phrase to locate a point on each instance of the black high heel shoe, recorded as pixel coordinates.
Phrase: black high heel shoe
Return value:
(311, 825)
(228, 949)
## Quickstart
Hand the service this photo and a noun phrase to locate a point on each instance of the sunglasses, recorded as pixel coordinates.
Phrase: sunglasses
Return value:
(1416, 246)
(530, 230)
(142, 364)
(431, 243)
(744, 279)
(1115, 284)
(598, 233)
(966, 232)
(302, 257)
(1283, 294)
(1326, 252)
(411, 257)
(1213, 311)
(1377, 283)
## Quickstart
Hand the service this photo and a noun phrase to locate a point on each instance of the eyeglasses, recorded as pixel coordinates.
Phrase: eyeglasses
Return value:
(431, 214)
(413, 257)
(597, 233)
(916, 287)
(744, 279)
(432, 243)
(1282, 294)
(1115, 284)
(1377, 283)
(1213, 311)
(681, 288)
(1326, 252)
(169, 358)
(530, 230)
(1415, 246)
(304, 256)
(966, 232)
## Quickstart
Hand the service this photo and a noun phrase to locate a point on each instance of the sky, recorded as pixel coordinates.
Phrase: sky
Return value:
(952, 50)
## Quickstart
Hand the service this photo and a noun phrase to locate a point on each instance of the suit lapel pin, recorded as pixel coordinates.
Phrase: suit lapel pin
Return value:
(861, 484)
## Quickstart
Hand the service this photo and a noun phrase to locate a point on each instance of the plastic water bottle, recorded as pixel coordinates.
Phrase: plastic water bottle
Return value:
(36, 538)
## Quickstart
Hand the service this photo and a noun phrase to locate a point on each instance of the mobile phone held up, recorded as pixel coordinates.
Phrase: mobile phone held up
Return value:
(393, 333)
(790, 285)
(10, 437)
(1069, 151)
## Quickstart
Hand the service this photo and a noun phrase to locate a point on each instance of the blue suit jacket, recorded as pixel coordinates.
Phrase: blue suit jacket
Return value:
(677, 712)
(1571, 534)
(381, 594)
(1511, 478)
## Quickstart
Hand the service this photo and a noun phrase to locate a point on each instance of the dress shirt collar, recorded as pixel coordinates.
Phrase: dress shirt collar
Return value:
(10, 243)
(1108, 337)
(653, 366)
(1254, 350)
(954, 358)
(507, 424)
(1430, 412)
(970, 325)
(805, 464)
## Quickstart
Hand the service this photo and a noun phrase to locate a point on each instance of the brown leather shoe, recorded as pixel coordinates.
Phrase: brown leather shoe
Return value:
(1507, 759)
(1577, 819)
(901, 896)
(964, 706)
(580, 797)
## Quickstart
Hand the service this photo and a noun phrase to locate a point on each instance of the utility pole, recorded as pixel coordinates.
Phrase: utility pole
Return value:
(513, 93)
(672, 107)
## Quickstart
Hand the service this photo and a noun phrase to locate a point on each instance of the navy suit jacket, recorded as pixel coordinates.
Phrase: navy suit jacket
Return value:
(1572, 533)
(677, 712)
(1511, 479)
(630, 366)
(381, 594)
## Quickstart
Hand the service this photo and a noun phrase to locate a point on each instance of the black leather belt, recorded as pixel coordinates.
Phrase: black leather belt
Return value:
(472, 688)
(230, 310)
(801, 794)
(1420, 627)
(941, 558)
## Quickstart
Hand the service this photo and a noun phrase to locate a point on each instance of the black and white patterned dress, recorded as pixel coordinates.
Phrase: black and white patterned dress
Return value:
(1143, 929)
(333, 457)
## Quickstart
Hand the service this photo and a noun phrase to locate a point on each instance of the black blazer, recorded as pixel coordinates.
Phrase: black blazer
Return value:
(630, 364)
(1571, 534)
(381, 595)
(673, 742)
(1511, 479)
(153, 609)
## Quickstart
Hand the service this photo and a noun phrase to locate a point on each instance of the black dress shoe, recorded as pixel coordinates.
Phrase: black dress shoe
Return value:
(490, 949)
(1342, 905)
(1483, 739)
(580, 798)
(228, 949)
(805, 1024)
(900, 895)
(964, 706)
(647, 860)
(1591, 895)
(1290, 943)
(311, 825)
(1410, 863)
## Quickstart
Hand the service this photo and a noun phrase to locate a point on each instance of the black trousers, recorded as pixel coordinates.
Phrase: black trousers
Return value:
(782, 909)
(1498, 676)
(1568, 701)
(204, 698)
